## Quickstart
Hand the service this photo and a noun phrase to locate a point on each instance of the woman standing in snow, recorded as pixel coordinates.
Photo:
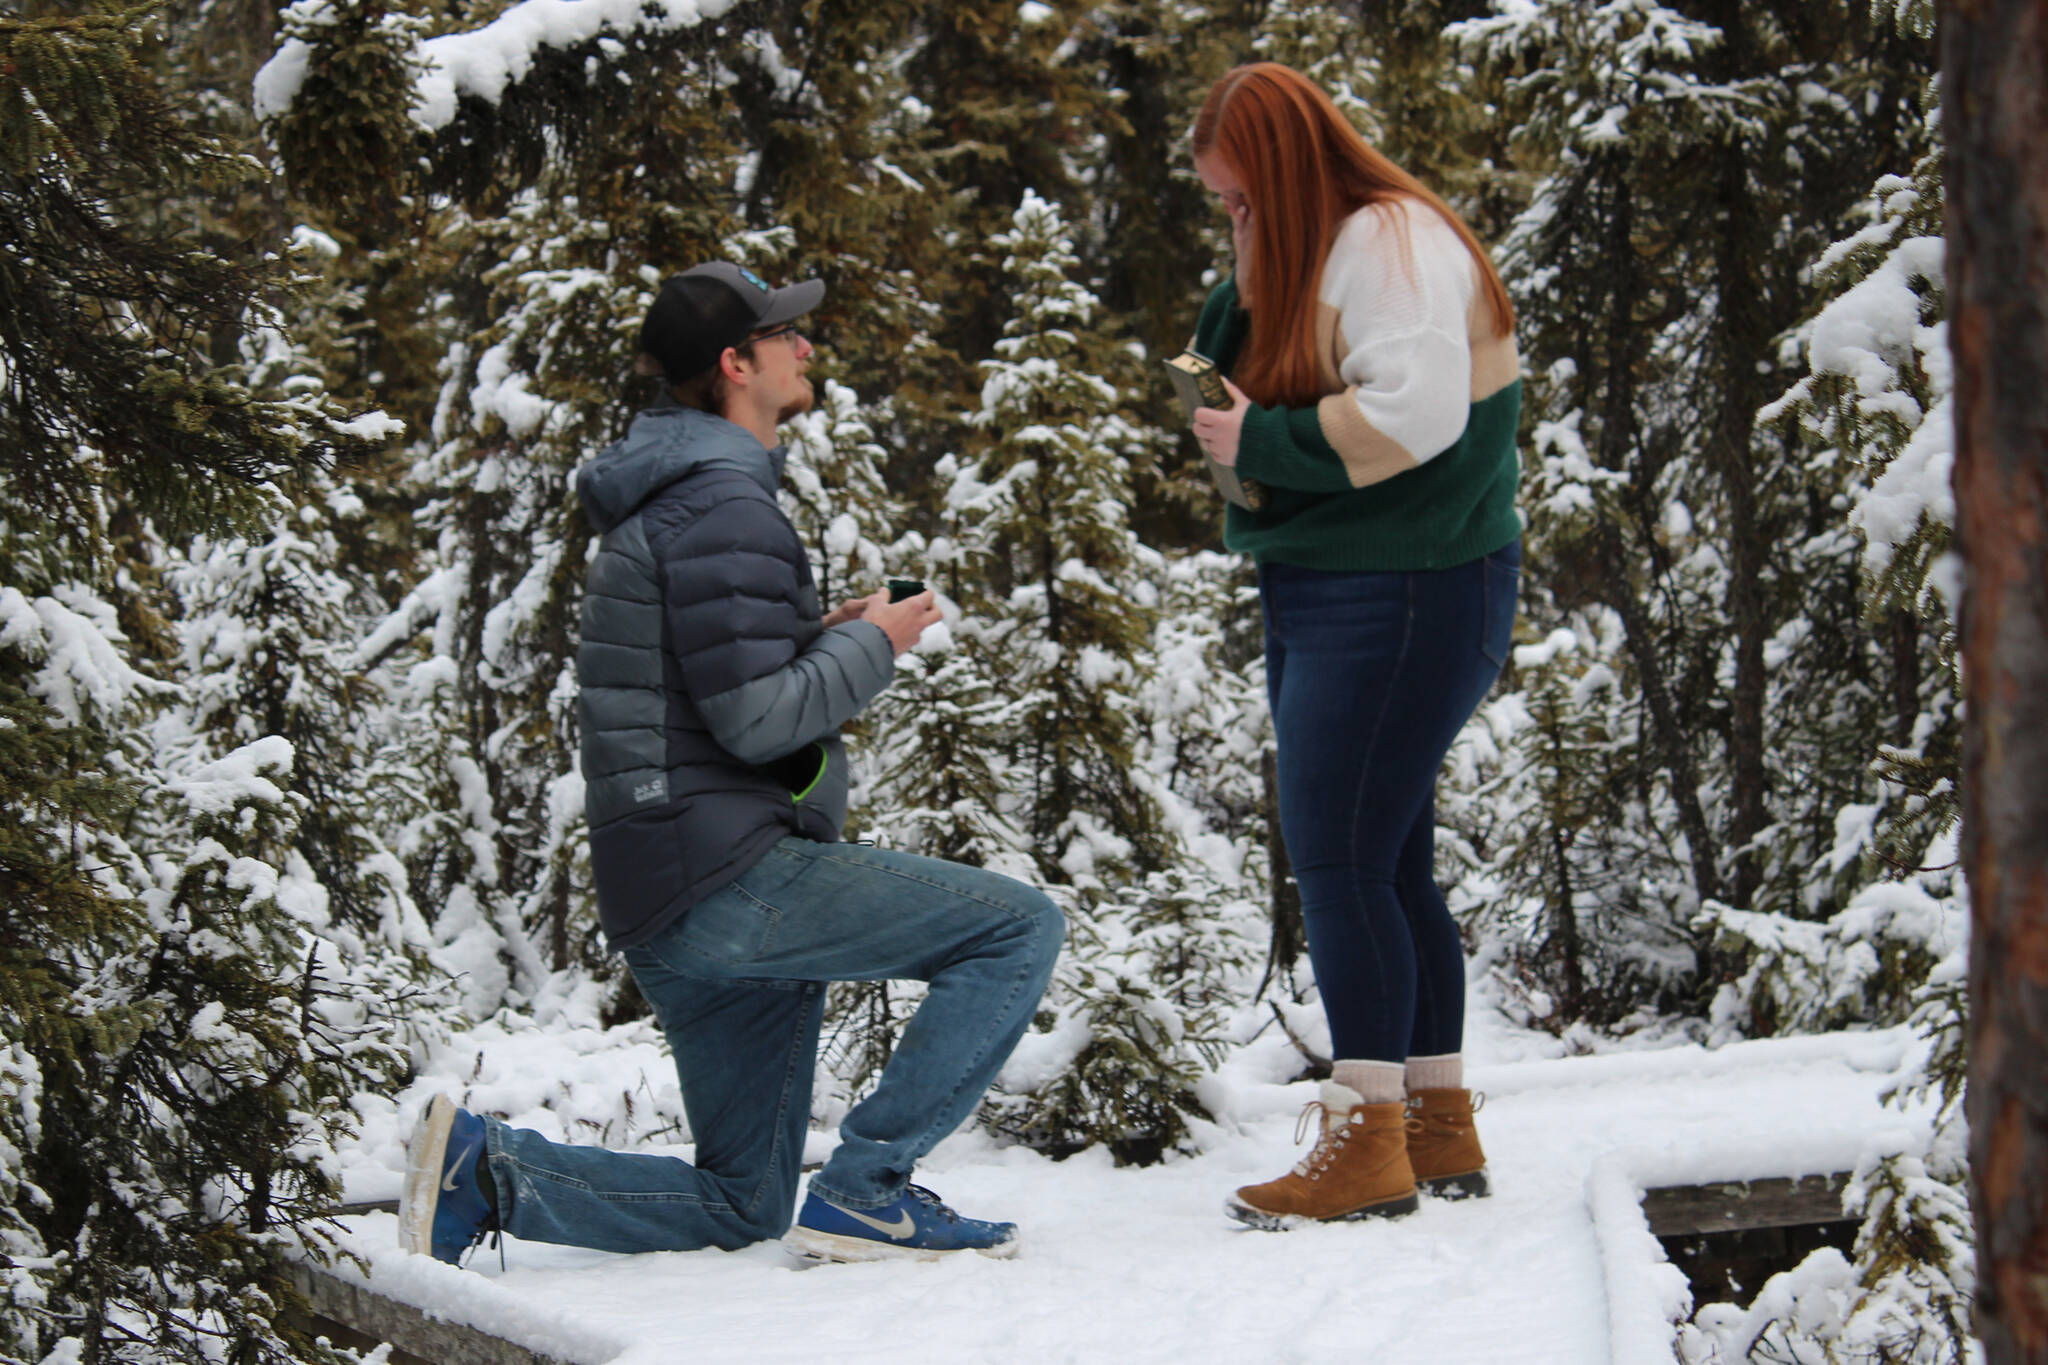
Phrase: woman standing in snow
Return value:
(1376, 394)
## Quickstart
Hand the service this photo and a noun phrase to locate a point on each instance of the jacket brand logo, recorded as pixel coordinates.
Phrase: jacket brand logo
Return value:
(651, 791)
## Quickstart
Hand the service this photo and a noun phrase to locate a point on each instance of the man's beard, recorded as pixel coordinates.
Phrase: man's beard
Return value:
(797, 407)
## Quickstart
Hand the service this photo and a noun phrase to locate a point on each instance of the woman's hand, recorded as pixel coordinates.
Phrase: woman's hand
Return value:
(1218, 430)
(1240, 211)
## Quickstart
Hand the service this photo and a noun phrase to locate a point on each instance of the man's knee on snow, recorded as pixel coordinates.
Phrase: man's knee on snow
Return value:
(1048, 927)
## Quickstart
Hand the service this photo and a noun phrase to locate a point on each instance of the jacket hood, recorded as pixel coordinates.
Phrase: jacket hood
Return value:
(663, 444)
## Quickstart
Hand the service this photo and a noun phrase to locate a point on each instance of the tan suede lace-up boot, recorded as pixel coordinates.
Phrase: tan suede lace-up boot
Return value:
(1357, 1169)
(1443, 1146)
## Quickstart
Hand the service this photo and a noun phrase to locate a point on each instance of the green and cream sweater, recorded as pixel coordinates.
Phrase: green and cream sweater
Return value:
(1409, 461)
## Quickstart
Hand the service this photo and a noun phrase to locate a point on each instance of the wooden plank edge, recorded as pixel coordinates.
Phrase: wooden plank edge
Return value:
(409, 1330)
(1743, 1205)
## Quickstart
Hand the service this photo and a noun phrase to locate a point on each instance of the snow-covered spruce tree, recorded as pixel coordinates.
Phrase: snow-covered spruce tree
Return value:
(243, 1027)
(832, 488)
(1690, 167)
(535, 318)
(1208, 728)
(1006, 110)
(932, 778)
(1542, 814)
(1398, 75)
(266, 628)
(1149, 226)
(1070, 587)
(1058, 598)
(177, 1033)
(1152, 226)
(1211, 930)
(531, 394)
(1329, 44)
(183, 1035)
(1877, 399)
(594, 193)
(55, 906)
(943, 783)
(839, 152)
(851, 524)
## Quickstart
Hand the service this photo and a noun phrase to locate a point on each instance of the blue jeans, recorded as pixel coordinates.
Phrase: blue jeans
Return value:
(1370, 677)
(738, 985)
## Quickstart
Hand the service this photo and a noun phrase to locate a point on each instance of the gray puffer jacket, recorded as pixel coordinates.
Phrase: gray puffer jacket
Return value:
(711, 695)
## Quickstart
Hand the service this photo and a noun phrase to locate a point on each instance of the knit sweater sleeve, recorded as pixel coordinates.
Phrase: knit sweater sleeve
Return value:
(1395, 301)
(1221, 328)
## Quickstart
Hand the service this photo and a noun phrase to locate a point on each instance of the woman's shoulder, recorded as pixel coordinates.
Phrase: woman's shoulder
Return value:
(1398, 249)
(1399, 219)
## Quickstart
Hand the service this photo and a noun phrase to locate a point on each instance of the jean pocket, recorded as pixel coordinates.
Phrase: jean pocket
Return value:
(1500, 579)
(729, 926)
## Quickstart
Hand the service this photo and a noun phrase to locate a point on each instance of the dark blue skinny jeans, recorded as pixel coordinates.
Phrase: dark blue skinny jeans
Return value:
(1370, 677)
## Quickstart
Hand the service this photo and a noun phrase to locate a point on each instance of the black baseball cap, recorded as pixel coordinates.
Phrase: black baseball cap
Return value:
(709, 307)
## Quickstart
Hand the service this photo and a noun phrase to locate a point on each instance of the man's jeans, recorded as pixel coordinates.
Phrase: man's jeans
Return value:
(738, 984)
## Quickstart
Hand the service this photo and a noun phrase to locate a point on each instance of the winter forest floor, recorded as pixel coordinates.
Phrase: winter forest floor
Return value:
(1138, 1265)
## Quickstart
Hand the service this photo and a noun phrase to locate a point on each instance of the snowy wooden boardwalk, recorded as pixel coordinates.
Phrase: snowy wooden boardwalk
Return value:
(1561, 1265)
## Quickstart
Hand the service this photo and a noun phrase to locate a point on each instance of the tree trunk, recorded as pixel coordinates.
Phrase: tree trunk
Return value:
(1290, 935)
(1996, 117)
(1667, 734)
(1565, 927)
(1745, 323)
(1906, 675)
(1618, 447)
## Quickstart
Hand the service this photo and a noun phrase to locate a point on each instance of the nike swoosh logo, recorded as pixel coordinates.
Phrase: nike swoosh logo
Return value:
(903, 1227)
(448, 1179)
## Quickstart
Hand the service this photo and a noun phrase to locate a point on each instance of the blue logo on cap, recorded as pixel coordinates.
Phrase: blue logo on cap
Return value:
(751, 278)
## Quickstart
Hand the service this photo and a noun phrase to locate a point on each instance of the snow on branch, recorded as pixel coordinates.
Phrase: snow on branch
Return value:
(483, 63)
(76, 638)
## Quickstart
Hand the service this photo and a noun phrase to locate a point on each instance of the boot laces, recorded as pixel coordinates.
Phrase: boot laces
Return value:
(1454, 1121)
(1330, 1138)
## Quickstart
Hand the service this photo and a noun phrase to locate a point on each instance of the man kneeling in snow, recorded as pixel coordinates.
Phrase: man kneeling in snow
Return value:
(712, 693)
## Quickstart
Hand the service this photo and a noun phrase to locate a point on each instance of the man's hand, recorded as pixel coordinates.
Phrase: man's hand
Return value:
(903, 622)
(852, 609)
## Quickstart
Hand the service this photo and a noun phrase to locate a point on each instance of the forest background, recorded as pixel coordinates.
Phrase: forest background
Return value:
(308, 314)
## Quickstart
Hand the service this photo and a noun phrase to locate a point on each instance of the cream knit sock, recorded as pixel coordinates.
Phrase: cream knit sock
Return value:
(1436, 1073)
(1375, 1082)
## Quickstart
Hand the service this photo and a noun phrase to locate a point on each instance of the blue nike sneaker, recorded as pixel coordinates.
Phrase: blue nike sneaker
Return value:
(443, 1210)
(918, 1226)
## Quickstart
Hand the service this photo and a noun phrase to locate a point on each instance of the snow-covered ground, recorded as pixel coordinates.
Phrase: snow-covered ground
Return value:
(1141, 1265)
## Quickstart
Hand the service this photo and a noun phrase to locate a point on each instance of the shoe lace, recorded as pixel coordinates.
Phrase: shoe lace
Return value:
(1312, 1108)
(1332, 1138)
(932, 1202)
(1443, 1120)
(492, 1229)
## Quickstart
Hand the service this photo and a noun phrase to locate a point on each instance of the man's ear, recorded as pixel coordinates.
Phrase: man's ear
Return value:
(729, 363)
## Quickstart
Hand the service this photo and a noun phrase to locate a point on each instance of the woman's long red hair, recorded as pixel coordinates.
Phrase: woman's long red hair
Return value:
(1305, 170)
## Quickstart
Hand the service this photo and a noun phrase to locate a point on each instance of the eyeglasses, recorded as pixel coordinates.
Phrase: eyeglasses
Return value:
(787, 329)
